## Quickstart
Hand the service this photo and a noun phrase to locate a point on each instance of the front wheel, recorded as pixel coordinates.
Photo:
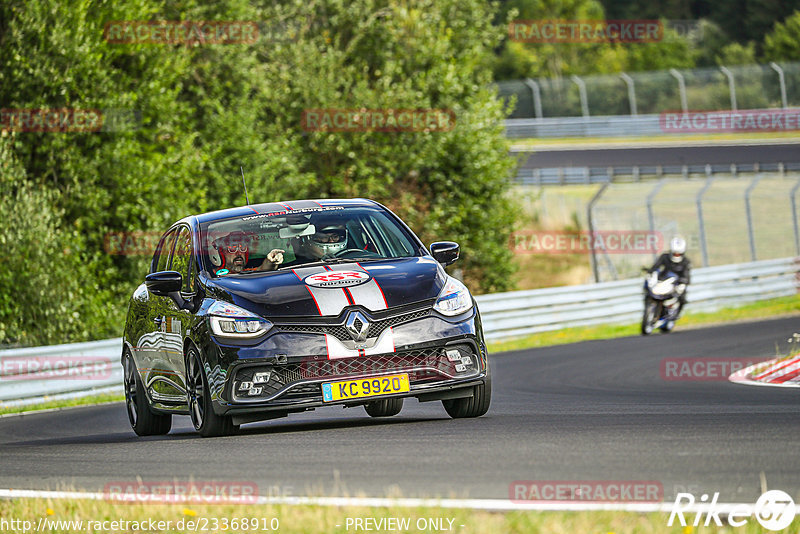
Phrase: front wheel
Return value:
(384, 407)
(649, 317)
(143, 421)
(474, 406)
(205, 421)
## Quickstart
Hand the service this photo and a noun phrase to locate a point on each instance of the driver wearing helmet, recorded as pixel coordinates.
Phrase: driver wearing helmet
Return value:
(328, 241)
(232, 252)
(675, 261)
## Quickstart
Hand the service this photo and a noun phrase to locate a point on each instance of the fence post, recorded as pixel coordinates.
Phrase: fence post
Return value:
(731, 86)
(582, 92)
(782, 81)
(537, 97)
(631, 92)
(590, 221)
(748, 212)
(701, 222)
(794, 218)
(650, 197)
(682, 88)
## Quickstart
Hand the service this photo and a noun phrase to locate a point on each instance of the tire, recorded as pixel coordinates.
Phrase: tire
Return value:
(384, 407)
(143, 421)
(207, 423)
(649, 316)
(474, 406)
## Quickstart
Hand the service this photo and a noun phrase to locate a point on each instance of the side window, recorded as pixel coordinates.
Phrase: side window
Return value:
(162, 252)
(182, 259)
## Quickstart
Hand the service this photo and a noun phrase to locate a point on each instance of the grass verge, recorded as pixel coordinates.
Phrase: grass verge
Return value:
(765, 309)
(97, 516)
(63, 403)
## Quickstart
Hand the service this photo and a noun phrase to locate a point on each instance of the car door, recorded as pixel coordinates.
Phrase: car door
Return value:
(158, 375)
(177, 320)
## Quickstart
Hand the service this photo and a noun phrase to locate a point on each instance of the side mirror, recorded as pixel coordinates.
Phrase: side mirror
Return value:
(163, 283)
(445, 252)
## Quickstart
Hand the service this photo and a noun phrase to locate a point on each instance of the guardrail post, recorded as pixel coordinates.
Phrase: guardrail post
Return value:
(590, 220)
(582, 92)
(537, 97)
(701, 222)
(731, 86)
(682, 88)
(782, 81)
(794, 218)
(749, 213)
(631, 92)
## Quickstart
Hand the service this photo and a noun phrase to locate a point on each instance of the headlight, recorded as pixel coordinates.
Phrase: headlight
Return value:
(232, 321)
(454, 298)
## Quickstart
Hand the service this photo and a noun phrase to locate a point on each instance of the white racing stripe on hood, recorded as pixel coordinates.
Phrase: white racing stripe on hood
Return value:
(330, 301)
(369, 294)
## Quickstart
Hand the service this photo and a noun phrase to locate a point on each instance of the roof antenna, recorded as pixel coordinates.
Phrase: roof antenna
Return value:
(245, 186)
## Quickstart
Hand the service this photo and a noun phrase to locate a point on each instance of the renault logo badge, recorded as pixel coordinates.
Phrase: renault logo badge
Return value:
(357, 326)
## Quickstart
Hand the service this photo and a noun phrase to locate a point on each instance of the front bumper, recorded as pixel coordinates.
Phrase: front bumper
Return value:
(447, 359)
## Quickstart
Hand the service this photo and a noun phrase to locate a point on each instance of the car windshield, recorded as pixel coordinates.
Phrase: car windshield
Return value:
(275, 241)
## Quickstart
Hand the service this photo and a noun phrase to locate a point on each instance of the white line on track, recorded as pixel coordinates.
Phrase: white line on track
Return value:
(495, 505)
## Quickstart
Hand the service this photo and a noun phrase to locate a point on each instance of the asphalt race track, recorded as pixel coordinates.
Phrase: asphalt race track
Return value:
(595, 410)
(717, 154)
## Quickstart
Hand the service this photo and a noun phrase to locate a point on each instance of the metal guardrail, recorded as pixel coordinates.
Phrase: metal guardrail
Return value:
(58, 371)
(32, 374)
(519, 313)
(598, 126)
(638, 173)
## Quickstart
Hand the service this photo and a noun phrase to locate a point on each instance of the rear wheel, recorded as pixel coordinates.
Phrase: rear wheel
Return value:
(649, 317)
(143, 421)
(384, 407)
(474, 406)
(205, 421)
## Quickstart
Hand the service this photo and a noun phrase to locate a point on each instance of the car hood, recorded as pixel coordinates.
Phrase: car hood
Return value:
(378, 285)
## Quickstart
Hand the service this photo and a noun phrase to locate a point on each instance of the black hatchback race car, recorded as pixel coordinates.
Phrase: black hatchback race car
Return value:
(255, 312)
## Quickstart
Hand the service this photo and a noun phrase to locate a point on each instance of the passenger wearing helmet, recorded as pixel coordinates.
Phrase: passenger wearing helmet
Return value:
(231, 253)
(675, 261)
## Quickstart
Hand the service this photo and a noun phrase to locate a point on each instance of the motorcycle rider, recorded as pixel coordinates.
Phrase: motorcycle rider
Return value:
(675, 261)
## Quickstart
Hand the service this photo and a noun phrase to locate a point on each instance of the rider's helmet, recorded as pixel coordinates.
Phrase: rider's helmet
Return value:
(677, 248)
(329, 240)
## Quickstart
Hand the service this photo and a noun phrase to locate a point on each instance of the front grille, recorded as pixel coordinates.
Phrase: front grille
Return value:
(302, 380)
(339, 332)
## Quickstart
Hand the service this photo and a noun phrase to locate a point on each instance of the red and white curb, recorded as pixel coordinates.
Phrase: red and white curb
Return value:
(780, 372)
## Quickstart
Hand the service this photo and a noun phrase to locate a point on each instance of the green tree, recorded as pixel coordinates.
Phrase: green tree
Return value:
(783, 42)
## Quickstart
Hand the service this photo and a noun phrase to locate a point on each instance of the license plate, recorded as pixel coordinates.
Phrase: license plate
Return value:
(365, 387)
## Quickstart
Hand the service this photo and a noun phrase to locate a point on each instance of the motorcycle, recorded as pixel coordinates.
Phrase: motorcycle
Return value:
(661, 302)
